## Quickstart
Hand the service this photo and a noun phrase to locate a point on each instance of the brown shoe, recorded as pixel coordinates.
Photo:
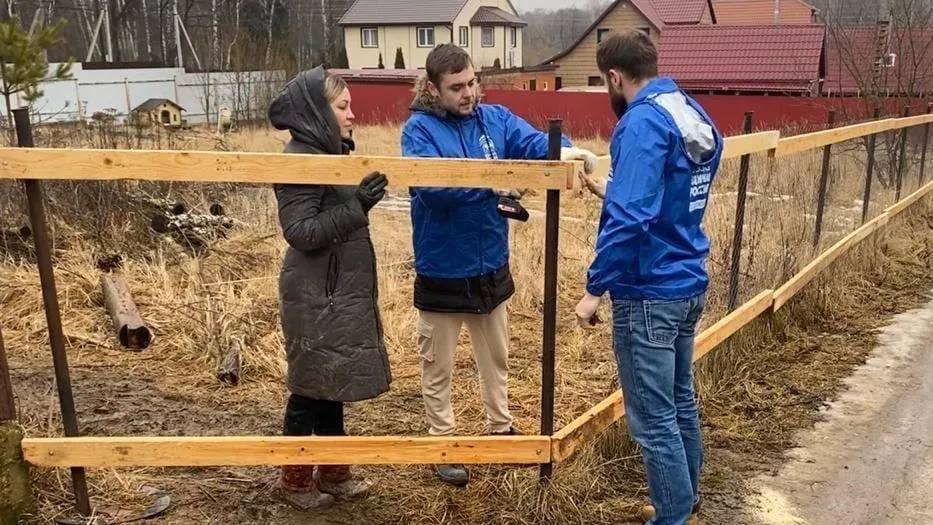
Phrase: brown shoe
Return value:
(338, 481)
(297, 488)
(648, 513)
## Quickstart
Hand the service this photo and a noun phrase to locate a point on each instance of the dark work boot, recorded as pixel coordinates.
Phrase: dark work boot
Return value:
(298, 488)
(456, 475)
(512, 431)
(339, 482)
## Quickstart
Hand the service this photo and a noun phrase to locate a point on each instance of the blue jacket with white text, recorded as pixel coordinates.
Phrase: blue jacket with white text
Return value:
(665, 153)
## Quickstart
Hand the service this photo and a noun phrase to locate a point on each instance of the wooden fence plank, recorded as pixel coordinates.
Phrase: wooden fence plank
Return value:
(106, 452)
(752, 143)
(586, 427)
(811, 271)
(726, 327)
(809, 141)
(269, 168)
(734, 147)
(909, 201)
(608, 411)
(909, 122)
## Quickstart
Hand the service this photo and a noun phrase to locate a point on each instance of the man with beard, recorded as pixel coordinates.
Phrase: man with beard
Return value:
(461, 241)
(651, 256)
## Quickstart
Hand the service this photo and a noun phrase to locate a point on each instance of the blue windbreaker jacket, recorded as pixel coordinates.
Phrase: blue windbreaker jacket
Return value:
(458, 233)
(665, 154)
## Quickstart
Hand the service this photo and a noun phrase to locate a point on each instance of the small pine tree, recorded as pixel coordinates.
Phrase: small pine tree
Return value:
(23, 62)
(399, 59)
(497, 64)
(381, 65)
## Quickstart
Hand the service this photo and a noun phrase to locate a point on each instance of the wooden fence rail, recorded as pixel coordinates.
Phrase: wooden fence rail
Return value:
(269, 168)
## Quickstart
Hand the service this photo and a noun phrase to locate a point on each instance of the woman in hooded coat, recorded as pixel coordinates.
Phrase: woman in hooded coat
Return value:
(328, 288)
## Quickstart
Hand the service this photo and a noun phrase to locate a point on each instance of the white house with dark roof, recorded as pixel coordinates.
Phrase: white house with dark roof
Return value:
(487, 29)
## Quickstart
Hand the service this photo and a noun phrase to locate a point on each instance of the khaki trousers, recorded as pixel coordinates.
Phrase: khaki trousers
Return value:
(438, 334)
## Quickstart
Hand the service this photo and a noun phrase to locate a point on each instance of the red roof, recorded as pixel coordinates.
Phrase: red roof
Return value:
(679, 12)
(851, 53)
(755, 12)
(771, 58)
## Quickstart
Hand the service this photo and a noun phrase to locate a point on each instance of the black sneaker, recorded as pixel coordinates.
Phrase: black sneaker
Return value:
(456, 475)
(510, 432)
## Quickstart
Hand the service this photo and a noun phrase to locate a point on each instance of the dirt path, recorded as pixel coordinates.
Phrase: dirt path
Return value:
(871, 460)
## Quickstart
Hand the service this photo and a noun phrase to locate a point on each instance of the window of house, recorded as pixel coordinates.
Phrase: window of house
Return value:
(645, 30)
(544, 86)
(425, 37)
(602, 34)
(514, 37)
(369, 36)
(464, 36)
(489, 37)
(594, 81)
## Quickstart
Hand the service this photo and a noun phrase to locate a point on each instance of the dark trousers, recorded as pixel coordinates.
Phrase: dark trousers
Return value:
(306, 417)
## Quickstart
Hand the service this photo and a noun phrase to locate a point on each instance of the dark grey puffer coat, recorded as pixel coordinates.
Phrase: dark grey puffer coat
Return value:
(328, 288)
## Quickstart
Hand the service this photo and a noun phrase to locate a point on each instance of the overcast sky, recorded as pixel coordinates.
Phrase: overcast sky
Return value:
(525, 5)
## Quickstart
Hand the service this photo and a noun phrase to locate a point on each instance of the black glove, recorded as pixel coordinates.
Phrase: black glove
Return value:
(372, 190)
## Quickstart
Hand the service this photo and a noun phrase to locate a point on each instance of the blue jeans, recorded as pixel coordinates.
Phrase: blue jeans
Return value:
(653, 343)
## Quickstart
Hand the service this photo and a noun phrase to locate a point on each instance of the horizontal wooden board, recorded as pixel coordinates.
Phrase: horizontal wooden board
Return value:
(586, 427)
(269, 168)
(909, 122)
(752, 143)
(726, 327)
(809, 141)
(909, 201)
(106, 452)
(785, 293)
(733, 147)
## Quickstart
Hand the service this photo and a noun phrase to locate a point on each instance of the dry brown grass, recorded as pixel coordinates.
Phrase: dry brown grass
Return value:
(196, 304)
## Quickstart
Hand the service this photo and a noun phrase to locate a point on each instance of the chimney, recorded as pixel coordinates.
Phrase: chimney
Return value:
(777, 12)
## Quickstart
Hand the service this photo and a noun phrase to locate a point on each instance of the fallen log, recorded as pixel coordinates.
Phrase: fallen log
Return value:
(228, 365)
(132, 330)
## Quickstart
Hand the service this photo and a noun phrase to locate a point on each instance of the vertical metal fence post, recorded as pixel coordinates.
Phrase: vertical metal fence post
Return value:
(552, 229)
(824, 184)
(926, 145)
(872, 141)
(902, 156)
(739, 220)
(52, 314)
(7, 406)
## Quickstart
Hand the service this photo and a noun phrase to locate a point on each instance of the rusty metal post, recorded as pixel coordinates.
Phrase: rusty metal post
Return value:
(926, 145)
(902, 162)
(7, 405)
(824, 184)
(739, 220)
(548, 359)
(872, 141)
(40, 234)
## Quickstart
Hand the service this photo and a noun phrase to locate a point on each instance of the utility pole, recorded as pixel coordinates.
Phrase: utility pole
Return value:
(179, 59)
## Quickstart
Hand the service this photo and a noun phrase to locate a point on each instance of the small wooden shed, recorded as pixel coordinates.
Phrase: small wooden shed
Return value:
(157, 111)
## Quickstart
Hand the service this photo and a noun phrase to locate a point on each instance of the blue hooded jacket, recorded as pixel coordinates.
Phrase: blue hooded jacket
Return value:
(458, 233)
(665, 153)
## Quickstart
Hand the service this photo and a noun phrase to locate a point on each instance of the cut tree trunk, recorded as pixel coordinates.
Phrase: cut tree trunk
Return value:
(228, 366)
(130, 327)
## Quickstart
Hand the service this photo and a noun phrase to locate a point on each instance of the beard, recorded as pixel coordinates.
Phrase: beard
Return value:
(618, 102)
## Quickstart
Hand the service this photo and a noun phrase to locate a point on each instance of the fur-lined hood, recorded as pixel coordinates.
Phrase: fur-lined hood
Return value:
(426, 102)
